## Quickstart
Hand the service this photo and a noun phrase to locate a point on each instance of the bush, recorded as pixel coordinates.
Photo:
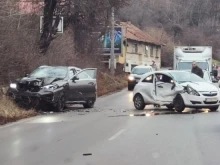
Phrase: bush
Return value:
(10, 112)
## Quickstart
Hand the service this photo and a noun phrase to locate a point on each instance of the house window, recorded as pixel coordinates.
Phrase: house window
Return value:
(135, 48)
(151, 51)
(146, 50)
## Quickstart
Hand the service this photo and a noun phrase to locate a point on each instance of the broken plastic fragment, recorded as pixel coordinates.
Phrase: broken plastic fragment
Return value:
(87, 154)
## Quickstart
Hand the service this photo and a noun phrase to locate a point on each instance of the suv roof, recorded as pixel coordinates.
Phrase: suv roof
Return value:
(42, 66)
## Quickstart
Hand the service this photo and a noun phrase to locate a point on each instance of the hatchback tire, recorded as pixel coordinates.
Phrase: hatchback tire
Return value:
(139, 102)
(179, 104)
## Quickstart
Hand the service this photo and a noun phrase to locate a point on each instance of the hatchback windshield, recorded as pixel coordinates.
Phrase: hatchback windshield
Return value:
(51, 72)
(182, 77)
(140, 71)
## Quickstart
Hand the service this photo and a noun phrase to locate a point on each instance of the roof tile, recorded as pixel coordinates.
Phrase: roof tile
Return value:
(134, 33)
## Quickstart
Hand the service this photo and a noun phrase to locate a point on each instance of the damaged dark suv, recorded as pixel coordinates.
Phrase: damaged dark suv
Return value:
(56, 86)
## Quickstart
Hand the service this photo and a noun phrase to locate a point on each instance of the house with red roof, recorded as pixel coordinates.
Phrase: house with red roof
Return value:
(139, 48)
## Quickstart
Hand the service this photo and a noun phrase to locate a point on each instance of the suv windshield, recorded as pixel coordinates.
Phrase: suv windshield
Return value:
(188, 65)
(140, 71)
(182, 77)
(51, 72)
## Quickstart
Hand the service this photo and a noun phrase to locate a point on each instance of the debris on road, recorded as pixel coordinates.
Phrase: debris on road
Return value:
(87, 154)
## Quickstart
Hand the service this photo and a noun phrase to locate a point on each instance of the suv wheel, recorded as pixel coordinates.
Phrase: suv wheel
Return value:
(60, 104)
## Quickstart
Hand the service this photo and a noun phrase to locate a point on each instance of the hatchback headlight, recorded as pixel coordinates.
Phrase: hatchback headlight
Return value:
(192, 91)
(13, 85)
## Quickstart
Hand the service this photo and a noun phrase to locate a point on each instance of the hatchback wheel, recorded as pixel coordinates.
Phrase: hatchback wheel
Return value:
(139, 102)
(179, 103)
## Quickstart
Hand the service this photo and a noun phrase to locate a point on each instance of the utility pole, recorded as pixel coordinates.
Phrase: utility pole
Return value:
(112, 59)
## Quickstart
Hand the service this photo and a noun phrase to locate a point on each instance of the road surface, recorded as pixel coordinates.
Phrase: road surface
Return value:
(113, 133)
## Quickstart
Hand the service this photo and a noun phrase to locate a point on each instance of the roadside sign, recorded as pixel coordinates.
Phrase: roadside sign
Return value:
(59, 28)
(118, 41)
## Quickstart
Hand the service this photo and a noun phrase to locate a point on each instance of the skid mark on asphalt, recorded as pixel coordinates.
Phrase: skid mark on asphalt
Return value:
(116, 135)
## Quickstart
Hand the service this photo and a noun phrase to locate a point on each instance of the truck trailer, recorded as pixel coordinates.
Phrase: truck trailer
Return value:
(185, 55)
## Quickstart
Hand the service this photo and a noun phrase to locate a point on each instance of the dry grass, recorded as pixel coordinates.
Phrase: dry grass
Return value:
(108, 84)
(10, 112)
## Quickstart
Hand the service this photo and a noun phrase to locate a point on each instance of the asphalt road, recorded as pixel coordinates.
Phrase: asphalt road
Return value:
(113, 133)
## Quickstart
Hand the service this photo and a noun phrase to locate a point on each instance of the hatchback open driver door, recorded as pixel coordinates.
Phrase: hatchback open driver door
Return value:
(85, 84)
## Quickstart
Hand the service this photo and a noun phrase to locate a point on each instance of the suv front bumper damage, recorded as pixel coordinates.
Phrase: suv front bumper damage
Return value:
(36, 98)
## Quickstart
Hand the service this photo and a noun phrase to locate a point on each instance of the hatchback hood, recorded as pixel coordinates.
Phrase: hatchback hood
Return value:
(201, 86)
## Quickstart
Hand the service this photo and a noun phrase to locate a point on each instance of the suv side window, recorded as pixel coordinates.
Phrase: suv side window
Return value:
(149, 79)
(83, 76)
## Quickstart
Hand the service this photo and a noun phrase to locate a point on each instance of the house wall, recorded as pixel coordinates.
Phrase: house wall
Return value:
(141, 57)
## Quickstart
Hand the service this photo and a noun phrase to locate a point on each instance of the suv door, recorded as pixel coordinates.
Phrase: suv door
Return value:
(83, 85)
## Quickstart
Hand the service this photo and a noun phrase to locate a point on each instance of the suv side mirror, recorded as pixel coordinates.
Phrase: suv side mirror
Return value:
(26, 75)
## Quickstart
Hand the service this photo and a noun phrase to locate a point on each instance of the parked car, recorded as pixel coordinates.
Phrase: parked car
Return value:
(56, 86)
(175, 89)
(136, 75)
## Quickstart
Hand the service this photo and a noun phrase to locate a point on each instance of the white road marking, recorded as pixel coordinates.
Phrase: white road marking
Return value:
(117, 134)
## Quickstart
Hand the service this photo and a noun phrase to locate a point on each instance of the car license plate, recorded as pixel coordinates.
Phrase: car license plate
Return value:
(211, 99)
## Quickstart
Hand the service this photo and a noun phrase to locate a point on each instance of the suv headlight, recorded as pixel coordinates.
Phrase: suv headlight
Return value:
(50, 87)
(13, 85)
(192, 91)
(131, 78)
